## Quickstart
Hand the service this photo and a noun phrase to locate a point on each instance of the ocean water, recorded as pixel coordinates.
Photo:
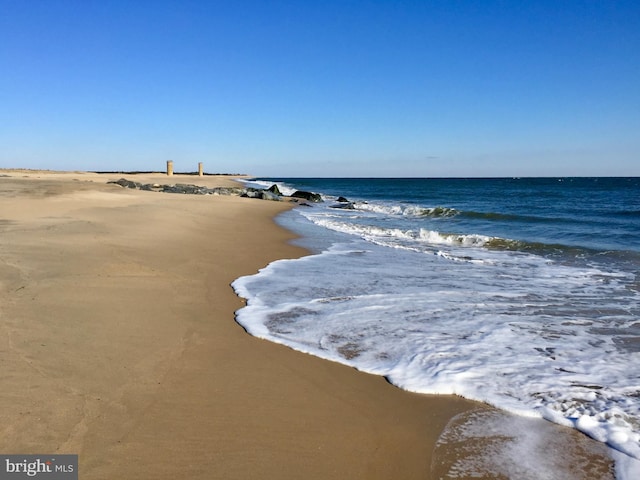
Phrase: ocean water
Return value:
(523, 293)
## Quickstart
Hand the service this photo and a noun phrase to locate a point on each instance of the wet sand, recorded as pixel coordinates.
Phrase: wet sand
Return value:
(118, 343)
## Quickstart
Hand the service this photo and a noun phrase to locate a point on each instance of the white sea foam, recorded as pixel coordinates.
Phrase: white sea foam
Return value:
(627, 468)
(502, 336)
(441, 313)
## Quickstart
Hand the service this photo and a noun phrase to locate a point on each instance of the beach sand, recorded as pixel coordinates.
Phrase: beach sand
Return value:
(118, 343)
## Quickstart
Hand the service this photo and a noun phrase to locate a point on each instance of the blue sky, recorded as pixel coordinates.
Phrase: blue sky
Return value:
(330, 88)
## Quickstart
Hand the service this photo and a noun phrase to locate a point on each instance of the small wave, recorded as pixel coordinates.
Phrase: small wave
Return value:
(434, 212)
(411, 239)
(529, 247)
(431, 237)
(436, 237)
(407, 210)
(364, 231)
(506, 244)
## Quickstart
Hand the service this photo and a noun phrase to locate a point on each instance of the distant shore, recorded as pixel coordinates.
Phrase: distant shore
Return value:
(110, 172)
(119, 344)
(235, 175)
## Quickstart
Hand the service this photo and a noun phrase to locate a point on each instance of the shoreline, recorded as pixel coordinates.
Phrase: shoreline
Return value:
(120, 345)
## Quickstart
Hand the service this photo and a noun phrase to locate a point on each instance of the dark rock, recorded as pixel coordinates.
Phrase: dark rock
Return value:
(171, 189)
(185, 189)
(269, 195)
(252, 193)
(346, 206)
(312, 197)
(261, 194)
(226, 191)
(342, 200)
(191, 189)
(274, 189)
(123, 182)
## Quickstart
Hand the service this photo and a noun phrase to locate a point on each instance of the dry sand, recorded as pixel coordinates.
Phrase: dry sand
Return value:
(118, 343)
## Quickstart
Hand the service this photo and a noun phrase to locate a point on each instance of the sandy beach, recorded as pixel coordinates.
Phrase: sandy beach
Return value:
(118, 343)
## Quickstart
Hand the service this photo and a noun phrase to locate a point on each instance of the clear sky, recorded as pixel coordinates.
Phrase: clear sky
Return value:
(322, 88)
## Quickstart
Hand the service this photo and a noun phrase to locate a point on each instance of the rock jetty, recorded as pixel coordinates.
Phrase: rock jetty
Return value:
(271, 193)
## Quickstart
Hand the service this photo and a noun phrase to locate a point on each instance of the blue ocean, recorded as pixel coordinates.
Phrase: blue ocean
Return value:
(523, 293)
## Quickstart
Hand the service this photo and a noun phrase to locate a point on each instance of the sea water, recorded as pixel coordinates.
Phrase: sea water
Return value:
(523, 293)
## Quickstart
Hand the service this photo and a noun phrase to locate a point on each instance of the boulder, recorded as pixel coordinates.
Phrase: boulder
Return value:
(226, 191)
(261, 194)
(346, 206)
(252, 193)
(185, 189)
(123, 182)
(310, 196)
(269, 195)
(274, 189)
